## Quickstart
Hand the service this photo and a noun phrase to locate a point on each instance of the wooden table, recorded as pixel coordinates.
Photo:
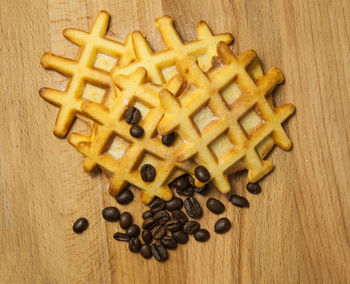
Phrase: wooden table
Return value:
(296, 230)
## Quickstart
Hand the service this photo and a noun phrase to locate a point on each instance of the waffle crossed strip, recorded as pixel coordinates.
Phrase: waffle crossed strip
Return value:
(112, 123)
(204, 48)
(82, 70)
(205, 91)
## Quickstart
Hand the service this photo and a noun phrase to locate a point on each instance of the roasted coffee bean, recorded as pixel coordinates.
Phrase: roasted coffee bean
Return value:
(136, 131)
(125, 220)
(169, 242)
(157, 205)
(162, 217)
(179, 216)
(148, 173)
(125, 197)
(133, 231)
(147, 214)
(173, 225)
(193, 209)
(132, 115)
(147, 236)
(191, 180)
(111, 214)
(202, 235)
(202, 174)
(168, 139)
(186, 192)
(121, 237)
(222, 225)
(181, 183)
(159, 252)
(149, 223)
(253, 188)
(80, 225)
(202, 190)
(239, 201)
(145, 251)
(174, 204)
(215, 206)
(180, 236)
(134, 245)
(191, 227)
(158, 232)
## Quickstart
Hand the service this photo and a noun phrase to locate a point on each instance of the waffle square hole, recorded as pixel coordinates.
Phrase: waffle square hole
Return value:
(94, 93)
(105, 62)
(251, 122)
(203, 117)
(118, 147)
(231, 93)
(169, 72)
(220, 145)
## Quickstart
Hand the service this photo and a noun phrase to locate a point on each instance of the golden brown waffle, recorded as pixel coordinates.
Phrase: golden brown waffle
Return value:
(89, 75)
(160, 65)
(206, 93)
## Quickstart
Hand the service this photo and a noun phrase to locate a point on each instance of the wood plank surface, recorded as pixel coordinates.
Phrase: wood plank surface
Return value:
(296, 231)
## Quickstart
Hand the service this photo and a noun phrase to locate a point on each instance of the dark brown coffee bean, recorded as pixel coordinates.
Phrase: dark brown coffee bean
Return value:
(132, 115)
(145, 251)
(134, 245)
(191, 180)
(148, 173)
(174, 204)
(168, 139)
(125, 220)
(191, 227)
(158, 232)
(157, 205)
(215, 206)
(173, 225)
(149, 223)
(202, 235)
(193, 209)
(111, 214)
(169, 242)
(179, 216)
(186, 192)
(125, 196)
(222, 225)
(133, 231)
(121, 237)
(239, 201)
(253, 188)
(162, 217)
(202, 190)
(180, 236)
(147, 214)
(202, 174)
(159, 252)
(136, 131)
(181, 183)
(80, 225)
(147, 236)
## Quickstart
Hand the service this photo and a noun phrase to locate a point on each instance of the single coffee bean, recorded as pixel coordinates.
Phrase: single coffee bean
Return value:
(148, 173)
(136, 131)
(186, 192)
(202, 174)
(191, 227)
(162, 217)
(157, 205)
(180, 236)
(159, 252)
(145, 251)
(239, 201)
(132, 115)
(147, 236)
(215, 206)
(202, 190)
(193, 209)
(158, 232)
(174, 204)
(125, 197)
(133, 231)
(179, 216)
(125, 220)
(202, 235)
(168, 139)
(121, 237)
(134, 245)
(111, 214)
(80, 225)
(173, 225)
(222, 225)
(149, 223)
(147, 214)
(169, 242)
(181, 183)
(253, 188)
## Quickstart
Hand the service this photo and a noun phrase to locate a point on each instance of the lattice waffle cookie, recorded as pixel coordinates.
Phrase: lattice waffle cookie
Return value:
(89, 75)
(225, 142)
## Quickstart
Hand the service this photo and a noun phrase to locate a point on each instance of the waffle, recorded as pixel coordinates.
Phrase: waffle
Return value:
(89, 75)
(224, 142)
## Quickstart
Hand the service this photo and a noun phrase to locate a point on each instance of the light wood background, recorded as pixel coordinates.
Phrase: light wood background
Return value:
(297, 229)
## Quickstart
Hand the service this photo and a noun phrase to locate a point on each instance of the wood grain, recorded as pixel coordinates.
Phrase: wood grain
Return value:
(297, 229)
